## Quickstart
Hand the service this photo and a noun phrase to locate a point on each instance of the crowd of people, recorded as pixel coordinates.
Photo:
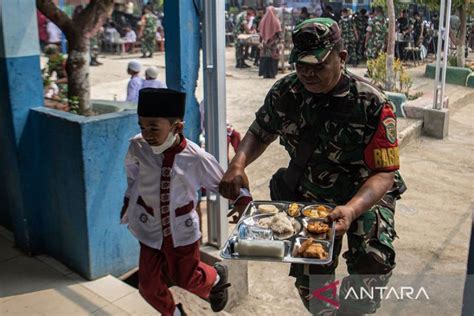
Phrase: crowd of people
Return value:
(261, 37)
(120, 34)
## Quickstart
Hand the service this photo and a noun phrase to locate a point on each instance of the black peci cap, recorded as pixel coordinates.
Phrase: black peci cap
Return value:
(154, 102)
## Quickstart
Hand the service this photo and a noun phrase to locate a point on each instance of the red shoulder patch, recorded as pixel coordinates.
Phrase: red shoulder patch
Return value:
(382, 154)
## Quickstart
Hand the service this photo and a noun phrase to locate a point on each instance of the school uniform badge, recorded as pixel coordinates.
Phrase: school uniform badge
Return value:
(143, 218)
(188, 222)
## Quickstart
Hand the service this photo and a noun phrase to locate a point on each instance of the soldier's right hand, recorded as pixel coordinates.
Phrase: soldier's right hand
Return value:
(234, 179)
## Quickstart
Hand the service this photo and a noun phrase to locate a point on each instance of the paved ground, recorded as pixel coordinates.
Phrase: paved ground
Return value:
(433, 218)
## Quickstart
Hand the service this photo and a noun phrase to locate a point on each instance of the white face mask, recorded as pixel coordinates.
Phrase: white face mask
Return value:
(167, 144)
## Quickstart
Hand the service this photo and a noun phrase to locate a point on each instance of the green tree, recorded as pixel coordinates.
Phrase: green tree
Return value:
(78, 32)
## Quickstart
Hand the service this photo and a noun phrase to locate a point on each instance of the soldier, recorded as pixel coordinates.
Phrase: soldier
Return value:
(149, 24)
(376, 34)
(350, 36)
(340, 133)
(361, 21)
(418, 29)
(242, 27)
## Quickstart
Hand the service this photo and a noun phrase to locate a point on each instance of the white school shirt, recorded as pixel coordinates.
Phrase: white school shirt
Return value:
(134, 85)
(130, 37)
(192, 169)
(54, 32)
(153, 83)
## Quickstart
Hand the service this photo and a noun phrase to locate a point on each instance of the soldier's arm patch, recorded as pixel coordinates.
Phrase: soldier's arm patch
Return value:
(381, 154)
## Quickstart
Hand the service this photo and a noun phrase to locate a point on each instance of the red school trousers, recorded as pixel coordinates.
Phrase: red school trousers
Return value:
(182, 265)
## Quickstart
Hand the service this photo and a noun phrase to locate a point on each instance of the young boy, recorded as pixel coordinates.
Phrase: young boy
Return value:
(151, 73)
(135, 83)
(164, 172)
(129, 39)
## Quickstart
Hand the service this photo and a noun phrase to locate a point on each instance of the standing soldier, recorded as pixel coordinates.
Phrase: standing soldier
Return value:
(242, 27)
(149, 23)
(341, 135)
(349, 35)
(376, 34)
(361, 21)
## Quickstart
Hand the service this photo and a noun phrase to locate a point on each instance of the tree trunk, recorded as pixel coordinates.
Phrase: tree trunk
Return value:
(390, 79)
(461, 44)
(77, 68)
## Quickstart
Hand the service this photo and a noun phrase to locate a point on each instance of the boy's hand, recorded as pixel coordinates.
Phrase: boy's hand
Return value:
(233, 180)
(236, 213)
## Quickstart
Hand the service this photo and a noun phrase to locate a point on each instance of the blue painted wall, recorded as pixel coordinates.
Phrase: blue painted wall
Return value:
(81, 168)
(21, 88)
(183, 41)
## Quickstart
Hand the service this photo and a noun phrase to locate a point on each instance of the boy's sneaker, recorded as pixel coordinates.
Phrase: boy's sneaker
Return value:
(219, 293)
(181, 309)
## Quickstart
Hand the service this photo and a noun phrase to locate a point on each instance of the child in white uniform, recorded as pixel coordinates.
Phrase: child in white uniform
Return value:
(164, 172)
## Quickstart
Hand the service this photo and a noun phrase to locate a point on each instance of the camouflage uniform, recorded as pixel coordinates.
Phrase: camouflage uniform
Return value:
(348, 36)
(241, 19)
(378, 34)
(149, 34)
(352, 123)
(361, 23)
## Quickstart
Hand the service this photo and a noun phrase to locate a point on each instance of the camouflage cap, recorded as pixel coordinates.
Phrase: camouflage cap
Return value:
(314, 40)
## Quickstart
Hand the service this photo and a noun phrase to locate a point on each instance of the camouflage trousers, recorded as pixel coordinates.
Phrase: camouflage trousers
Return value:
(239, 52)
(351, 47)
(148, 43)
(370, 260)
(360, 50)
(374, 49)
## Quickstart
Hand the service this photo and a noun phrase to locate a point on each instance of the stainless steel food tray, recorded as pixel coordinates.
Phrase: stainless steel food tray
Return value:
(251, 216)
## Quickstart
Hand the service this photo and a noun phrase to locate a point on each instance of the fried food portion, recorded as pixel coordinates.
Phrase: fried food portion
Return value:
(317, 212)
(294, 210)
(317, 227)
(305, 245)
(315, 251)
(311, 249)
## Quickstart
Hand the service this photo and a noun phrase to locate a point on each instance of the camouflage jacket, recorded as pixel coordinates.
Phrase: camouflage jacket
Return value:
(361, 23)
(346, 24)
(354, 127)
(241, 18)
(378, 27)
(151, 23)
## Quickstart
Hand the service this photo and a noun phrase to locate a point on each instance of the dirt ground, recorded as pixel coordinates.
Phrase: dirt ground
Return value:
(433, 218)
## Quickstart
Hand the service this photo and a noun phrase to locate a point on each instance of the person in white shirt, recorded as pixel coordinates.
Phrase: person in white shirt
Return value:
(151, 73)
(54, 33)
(112, 38)
(136, 82)
(129, 39)
(164, 172)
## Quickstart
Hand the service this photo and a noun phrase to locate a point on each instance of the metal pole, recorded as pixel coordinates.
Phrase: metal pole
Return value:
(437, 84)
(215, 108)
(445, 53)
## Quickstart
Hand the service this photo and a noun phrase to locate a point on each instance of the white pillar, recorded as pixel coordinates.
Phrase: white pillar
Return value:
(215, 108)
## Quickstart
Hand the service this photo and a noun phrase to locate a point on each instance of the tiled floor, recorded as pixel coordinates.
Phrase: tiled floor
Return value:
(42, 286)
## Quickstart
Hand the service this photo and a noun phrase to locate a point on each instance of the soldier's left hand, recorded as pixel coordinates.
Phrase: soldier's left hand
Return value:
(343, 216)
